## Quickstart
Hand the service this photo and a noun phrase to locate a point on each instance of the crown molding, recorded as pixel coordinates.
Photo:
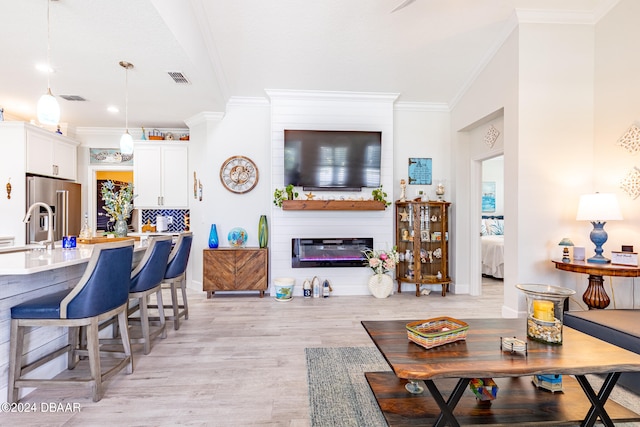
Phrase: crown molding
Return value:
(571, 17)
(204, 117)
(248, 101)
(305, 95)
(425, 107)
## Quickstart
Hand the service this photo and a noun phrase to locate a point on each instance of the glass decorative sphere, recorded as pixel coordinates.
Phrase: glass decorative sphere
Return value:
(237, 237)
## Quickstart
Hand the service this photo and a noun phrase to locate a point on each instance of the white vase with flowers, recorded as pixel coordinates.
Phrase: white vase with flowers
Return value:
(381, 262)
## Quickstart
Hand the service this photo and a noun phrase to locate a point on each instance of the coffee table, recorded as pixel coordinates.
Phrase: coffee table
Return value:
(446, 371)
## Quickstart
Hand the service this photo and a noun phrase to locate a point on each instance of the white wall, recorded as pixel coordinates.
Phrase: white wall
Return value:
(617, 83)
(242, 130)
(556, 142)
(542, 78)
(491, 99)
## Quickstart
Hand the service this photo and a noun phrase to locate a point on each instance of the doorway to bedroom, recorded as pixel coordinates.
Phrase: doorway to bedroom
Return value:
(492, 221)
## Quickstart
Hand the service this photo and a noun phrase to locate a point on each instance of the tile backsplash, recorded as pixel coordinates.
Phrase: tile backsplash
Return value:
(178, 216)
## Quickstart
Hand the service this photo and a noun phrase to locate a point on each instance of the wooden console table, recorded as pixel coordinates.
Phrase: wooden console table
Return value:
(235, 269)
(595, 295)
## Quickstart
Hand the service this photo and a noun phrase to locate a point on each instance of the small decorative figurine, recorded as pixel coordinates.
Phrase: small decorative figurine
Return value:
(440, 191)
(403, 193)
(513, 345)
(9, 188)
(310, 195)
(485, 389)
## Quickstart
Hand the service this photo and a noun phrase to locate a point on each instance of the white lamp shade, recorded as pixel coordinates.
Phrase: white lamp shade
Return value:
(598, 207)
(126, 143)
(48, 109)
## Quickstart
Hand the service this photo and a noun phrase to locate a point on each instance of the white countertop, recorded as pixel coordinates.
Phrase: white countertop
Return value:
(37, 260)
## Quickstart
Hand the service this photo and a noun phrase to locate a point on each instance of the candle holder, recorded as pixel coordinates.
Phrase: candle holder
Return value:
(545, 308)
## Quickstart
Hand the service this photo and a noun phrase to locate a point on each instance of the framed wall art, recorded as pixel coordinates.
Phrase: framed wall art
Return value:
(488, 196)
(420, 171)
(109, 156)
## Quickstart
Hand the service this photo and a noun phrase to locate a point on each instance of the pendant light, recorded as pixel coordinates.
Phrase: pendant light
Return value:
(126, 141)
(48, 108)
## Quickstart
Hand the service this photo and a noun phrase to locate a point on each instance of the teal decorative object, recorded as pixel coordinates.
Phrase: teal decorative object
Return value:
(213, 237)
(263, 231)
(237, 237)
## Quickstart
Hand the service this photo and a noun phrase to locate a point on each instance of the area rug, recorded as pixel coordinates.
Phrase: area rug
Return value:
(338, 391)
(339, 394)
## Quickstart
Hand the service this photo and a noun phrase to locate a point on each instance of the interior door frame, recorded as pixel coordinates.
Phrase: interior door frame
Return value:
(475, 269)
(92, 196)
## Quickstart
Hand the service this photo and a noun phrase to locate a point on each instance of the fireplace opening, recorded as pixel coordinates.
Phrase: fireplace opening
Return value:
(329, 252)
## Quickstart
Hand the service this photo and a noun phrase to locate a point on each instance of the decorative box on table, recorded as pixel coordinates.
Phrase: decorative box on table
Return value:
(624, 258)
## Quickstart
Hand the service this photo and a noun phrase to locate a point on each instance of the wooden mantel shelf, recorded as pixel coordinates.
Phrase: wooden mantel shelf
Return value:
(332, 205)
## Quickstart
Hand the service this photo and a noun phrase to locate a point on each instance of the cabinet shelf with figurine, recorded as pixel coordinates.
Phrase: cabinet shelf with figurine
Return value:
(422, 239)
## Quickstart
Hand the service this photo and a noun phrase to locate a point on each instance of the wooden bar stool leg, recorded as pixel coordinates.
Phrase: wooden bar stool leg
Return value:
(93, 348)
(15, 359)
(144, 324)
(124, 333)
(163, 321)
(74, 341)
(176, 308)
(183, 286)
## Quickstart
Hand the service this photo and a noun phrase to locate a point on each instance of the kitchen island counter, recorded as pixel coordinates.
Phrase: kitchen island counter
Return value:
(28, 260)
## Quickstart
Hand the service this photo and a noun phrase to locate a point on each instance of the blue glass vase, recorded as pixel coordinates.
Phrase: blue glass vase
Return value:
(213, 237)
(263, 231)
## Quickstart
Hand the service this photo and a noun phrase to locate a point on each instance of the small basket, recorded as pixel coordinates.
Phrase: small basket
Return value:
(438, 331)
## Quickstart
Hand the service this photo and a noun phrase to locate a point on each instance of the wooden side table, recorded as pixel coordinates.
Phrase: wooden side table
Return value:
(235, 269)
(595, 295)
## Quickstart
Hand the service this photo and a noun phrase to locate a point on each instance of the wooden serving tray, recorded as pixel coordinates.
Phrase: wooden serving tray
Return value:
(102, 239)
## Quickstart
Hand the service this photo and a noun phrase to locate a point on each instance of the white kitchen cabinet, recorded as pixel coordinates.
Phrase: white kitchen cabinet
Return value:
(160, 175)
(50, 154)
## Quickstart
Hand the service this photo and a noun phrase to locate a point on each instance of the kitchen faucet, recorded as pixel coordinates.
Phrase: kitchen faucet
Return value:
(27, 217)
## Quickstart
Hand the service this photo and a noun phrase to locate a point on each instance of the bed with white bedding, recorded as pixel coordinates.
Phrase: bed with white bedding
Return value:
(492, 240)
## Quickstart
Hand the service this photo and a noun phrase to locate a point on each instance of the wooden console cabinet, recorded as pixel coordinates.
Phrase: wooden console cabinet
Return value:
(235, 269)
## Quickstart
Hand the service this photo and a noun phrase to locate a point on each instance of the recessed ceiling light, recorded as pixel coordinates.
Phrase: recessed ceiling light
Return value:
(44, 68)
(113, 109)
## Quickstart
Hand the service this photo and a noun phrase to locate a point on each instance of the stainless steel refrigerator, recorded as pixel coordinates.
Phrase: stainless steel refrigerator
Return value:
(64, 198)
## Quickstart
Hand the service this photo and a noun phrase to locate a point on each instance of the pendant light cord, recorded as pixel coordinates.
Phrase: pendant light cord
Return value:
(126, 65)
(126, 99)
(49, 46)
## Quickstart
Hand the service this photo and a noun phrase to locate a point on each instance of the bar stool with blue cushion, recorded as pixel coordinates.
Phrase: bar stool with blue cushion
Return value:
(175, 276)
(101, 294)
(146, 280)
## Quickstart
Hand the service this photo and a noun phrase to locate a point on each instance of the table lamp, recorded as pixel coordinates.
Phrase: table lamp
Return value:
(565, 243)
(598, 208)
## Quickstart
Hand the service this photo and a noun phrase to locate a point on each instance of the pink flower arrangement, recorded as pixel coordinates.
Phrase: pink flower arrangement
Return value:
(381, 261)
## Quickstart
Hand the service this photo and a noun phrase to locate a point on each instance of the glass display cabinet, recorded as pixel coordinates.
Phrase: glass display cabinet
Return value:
(422, 239)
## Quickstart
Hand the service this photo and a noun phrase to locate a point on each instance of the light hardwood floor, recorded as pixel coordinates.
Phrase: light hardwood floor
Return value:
(239, 360)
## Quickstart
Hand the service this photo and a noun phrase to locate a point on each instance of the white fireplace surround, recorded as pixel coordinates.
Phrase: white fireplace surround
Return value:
(329, 111)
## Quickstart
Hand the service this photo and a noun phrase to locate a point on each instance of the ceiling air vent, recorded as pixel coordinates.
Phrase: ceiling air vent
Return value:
(72, 98)
(178, 77)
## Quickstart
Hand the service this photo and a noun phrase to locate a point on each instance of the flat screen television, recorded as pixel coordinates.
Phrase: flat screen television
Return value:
(332, 160)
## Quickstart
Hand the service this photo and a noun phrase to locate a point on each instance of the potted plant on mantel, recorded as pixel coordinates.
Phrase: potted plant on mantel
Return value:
(280, 195)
